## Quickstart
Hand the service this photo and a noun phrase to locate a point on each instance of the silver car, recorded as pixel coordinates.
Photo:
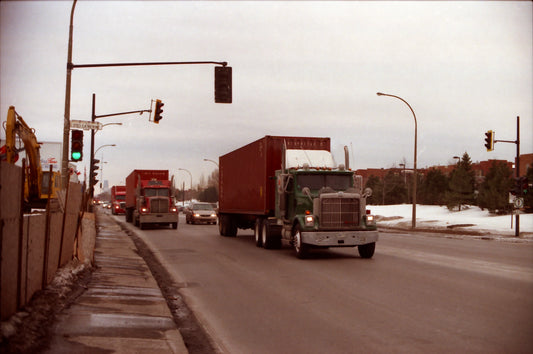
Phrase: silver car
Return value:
(200, 213)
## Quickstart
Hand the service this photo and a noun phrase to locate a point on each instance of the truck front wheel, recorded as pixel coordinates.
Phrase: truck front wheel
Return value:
(367, 251)
(301, 248)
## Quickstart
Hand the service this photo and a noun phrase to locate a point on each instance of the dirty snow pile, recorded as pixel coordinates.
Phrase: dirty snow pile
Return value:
(439, 217)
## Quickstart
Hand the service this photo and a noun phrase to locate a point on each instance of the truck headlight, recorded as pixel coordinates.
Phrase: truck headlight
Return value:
(173, 210)
(309, 220)
(370, 220)
(144, 210)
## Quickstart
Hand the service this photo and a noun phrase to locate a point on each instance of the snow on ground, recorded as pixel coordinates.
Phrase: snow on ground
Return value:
(469, 218)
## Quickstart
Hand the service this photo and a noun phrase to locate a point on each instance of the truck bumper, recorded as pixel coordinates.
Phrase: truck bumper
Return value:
(158, 218)
(339, 238)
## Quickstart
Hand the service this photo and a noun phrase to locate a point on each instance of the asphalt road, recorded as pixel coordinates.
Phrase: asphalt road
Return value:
(418, 294)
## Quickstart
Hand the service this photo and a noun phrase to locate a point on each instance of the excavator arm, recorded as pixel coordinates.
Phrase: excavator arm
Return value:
(16, 126)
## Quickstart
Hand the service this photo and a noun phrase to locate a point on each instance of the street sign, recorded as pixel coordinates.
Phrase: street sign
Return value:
(85, 125)
(519, 203)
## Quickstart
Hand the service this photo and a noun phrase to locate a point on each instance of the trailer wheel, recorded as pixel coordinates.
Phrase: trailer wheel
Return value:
(174, 225)
(231, 227)
(257, 232)
(301, 248)
(367, 251)
(226, 226)
(221, 230)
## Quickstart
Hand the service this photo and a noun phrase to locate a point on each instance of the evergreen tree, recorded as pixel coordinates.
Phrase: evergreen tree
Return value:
(462, 183)
(394, 188)
(375, 184)
(494, 191)
(528, 198)
(433, 188)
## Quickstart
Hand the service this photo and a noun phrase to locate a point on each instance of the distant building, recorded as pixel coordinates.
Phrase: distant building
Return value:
(526, 161)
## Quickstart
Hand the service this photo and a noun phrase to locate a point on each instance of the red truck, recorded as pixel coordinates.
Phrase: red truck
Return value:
(288, 188)
(118, 200)
(150, 199)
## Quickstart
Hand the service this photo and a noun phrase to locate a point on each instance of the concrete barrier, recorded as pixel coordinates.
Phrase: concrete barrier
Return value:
(34, 246)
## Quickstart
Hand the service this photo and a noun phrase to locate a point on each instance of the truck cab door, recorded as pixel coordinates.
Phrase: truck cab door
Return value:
(283, 186)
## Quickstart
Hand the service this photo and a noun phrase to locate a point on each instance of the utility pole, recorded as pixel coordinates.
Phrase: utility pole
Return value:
(66, 123)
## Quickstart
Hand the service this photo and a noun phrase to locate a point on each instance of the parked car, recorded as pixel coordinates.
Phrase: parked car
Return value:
(200, 213)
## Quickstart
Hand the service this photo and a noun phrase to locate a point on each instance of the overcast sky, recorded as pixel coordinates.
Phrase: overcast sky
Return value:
(299, 68)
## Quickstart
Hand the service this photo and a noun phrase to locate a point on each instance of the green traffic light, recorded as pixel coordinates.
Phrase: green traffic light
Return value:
(76, 155)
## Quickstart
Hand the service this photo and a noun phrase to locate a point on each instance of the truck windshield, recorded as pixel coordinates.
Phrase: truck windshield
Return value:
(120, 197)
(316, 182)
(156, 192)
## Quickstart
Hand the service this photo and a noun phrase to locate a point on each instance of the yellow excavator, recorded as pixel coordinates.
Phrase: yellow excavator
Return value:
(36, 191)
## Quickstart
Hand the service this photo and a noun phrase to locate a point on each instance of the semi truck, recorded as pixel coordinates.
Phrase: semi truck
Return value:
(118, 200)
(150, 199)
(289, 189)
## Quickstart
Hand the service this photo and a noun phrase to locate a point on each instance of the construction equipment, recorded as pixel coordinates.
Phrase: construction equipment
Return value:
(36, 191)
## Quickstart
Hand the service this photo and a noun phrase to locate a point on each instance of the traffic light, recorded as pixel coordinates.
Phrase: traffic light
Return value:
(521, 187)
(223, 84)
(524, 185)
(489, 140)
(94, 167)
(158, 111)
(76, 147)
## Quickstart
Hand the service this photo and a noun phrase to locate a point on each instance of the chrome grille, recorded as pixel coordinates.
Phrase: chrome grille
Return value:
(339, 213)
(159, 205)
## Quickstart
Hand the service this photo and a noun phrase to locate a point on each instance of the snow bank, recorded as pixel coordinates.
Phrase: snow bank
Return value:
(470, 217)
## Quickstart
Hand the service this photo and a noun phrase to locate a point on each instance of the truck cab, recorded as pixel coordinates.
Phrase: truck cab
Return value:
(154, 204)
(324, 208)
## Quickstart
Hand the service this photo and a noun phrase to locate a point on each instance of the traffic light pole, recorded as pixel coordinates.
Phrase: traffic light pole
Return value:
(93, 119)
(517, 167)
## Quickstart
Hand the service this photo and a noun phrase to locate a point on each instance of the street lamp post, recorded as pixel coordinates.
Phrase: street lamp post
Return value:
(415, 175)
(218, 167)
(66, 120)
(190, 174)
(212, 162)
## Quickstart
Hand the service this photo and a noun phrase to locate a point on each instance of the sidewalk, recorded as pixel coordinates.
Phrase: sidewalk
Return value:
(123, 309)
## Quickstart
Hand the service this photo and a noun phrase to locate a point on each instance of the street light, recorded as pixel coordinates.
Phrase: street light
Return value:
(91, 169)
(415, 176)
(103, 146)
(190, 174)
(208, 160)
(212, 162)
